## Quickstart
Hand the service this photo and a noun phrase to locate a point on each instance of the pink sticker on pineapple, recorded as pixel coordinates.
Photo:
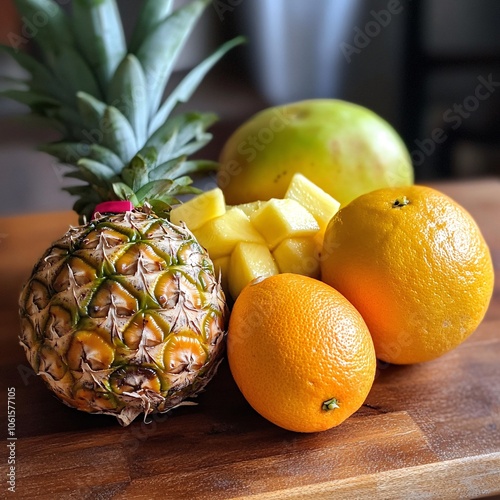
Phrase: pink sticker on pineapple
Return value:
(114, 207)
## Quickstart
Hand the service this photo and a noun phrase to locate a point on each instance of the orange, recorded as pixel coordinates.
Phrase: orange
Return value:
(415, 265)
(299, 352)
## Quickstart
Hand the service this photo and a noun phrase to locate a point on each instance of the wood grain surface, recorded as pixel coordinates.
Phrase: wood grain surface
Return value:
(426, 431)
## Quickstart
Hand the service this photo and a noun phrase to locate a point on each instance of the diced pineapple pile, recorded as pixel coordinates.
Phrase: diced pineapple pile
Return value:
(261, 238)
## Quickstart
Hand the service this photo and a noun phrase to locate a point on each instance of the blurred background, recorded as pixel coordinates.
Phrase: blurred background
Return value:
(431, 68)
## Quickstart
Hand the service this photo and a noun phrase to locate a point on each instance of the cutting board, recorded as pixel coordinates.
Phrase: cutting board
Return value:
(425, 431)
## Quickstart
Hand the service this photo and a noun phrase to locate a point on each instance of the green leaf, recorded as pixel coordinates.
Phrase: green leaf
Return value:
(92, 110)
(69, 118)
(171, 139)
(185, 145)
(135, 174)
(11, 82)
(191, 146)
(162, 208)
(72, 152)
(167, 39)
(168, 150)
(153, 189)
(104, 155)
(182, 185)
(128, 93)
(30, 98)
(66, 152)
(188, 85)
(79, 175)
(94, 192)
(46, 24)
(195, 167)
(85, 205)
(124, 192)
(179, 166)
(152, 13)
(118, 135)
(94, 173)
(108, 127)
(42, 79)
(59, 117)
(167, 169)
(165, 189)
(99, 33)
(49, 123)
(86, 201)
(149, 155)
(76, 190)
(74, 73)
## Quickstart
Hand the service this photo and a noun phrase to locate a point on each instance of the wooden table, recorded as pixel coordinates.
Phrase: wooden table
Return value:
(426, 431)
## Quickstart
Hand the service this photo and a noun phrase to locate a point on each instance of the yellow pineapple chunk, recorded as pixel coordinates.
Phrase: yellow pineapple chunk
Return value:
(200, 209)
(220, 235)
(249, 261)
(251, 207)
(283, 218)
(319, 203)
(299, 256)
(221, 266)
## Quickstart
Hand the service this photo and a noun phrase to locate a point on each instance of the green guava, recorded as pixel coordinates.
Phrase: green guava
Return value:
(344, 148)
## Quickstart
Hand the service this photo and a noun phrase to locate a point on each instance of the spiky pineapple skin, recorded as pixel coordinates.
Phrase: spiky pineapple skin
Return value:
(124, 316)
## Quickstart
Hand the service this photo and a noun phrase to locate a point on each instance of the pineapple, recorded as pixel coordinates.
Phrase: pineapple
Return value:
(251, 207)
(249, 261)
(124, 314)
(262, 238)
(319, 203)
(200, 209)
(283, 218)
(298, 255)
(220, 235)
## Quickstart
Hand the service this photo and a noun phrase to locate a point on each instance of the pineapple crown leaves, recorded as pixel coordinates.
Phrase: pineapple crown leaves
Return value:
(105, 96)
